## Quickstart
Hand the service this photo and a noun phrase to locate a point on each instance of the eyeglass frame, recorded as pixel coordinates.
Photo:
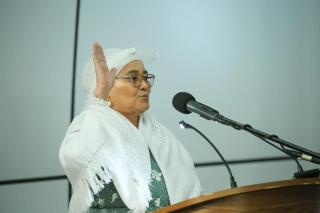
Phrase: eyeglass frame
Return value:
(141, 77)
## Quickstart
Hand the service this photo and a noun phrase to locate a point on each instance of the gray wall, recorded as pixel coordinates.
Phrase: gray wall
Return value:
(256, 62)
(36, 53)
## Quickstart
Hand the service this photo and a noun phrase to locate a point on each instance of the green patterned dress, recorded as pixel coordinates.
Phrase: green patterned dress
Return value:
(109, 201)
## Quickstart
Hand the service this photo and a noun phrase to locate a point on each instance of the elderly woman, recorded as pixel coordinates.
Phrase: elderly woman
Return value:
(117, 157)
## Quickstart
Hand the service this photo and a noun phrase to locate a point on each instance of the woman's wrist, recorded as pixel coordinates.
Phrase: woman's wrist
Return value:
(98, 100)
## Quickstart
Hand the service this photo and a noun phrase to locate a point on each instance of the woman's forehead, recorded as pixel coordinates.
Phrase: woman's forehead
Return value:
(133, 66)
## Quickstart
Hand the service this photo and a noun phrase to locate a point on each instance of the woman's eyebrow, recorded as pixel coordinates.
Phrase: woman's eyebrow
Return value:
(144, 72)
(132, 71)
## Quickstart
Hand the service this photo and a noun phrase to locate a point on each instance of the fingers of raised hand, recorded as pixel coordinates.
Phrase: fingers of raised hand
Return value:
(99, 59)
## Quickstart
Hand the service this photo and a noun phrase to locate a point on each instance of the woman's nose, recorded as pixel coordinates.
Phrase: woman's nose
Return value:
(144, 85)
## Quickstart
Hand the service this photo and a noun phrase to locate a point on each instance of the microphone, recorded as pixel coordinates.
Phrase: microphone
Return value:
(185, 125)
(186, 103)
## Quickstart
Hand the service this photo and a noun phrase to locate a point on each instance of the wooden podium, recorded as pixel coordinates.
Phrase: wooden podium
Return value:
(301, 195)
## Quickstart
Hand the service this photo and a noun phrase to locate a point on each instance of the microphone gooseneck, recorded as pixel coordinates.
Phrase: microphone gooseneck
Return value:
(185, 125)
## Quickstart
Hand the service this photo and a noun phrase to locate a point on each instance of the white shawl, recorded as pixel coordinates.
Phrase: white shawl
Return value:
(102, 145)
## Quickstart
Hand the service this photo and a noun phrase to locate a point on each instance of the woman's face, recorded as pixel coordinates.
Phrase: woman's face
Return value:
(127, 98)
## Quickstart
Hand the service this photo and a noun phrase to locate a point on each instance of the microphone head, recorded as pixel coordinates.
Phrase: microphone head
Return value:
(184, 125)
(180, 101)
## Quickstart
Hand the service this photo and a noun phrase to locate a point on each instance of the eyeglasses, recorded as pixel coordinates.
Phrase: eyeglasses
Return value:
(136, 79)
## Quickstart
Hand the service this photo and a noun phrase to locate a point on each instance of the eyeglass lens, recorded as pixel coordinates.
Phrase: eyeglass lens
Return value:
(137, 79)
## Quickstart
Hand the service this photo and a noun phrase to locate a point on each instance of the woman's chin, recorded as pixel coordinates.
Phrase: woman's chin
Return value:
(144, 107)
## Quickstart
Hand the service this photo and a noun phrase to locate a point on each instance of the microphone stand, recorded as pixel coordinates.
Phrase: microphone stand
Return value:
(297, 152)
(288, 152)
(185, 125)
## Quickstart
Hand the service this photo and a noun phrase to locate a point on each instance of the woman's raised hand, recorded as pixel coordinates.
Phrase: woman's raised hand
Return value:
(104, 76)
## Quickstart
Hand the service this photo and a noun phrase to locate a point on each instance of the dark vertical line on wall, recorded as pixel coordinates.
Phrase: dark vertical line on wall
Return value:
(74, 68)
